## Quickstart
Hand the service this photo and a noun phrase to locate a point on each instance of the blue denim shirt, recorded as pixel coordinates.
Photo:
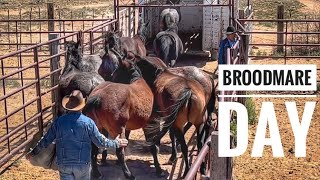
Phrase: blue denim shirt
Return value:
(224, 44)
(74, 133)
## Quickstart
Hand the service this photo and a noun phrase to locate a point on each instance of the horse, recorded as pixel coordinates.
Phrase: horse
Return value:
(168, 46)
(113, 43)
(168, 16)
(179, 100)
(111, 56)
(191, 72)
(118, 107)
(137, 43)
(77, 73)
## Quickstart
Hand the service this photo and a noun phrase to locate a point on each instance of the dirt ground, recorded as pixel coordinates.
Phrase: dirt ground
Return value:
(245, 167)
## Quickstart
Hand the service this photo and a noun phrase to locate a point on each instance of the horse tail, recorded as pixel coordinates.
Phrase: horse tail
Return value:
(93, 103)
(183, 98)
(212, 100)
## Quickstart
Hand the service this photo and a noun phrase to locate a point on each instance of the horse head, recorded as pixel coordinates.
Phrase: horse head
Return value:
(127, 72)
(113, 54)
(74, 56)
(73, 47)
(112, 40)
(143, 31)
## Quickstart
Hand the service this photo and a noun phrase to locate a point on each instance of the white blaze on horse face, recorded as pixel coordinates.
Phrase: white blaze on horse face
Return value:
(300, 130)
(224, 149)
(267, 116)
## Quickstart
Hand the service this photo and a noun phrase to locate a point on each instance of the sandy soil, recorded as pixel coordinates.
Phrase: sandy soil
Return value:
(141, 163)
(289, 167)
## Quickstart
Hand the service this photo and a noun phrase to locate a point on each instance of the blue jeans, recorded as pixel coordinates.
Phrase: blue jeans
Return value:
(75, 172)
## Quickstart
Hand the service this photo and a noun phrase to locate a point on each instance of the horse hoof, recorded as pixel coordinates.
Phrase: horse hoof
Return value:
(103, 163)
(160, 173)
(131, 177)
(96, 175)
(172, 161)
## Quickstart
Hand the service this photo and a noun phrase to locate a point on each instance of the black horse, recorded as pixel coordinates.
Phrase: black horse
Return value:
(167, 44)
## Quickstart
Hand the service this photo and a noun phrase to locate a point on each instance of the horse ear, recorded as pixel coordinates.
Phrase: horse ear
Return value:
(120, 33)
(78, 44)
(112, 27)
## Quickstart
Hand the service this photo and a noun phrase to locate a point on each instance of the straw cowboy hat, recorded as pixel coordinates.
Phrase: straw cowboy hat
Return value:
(74, 101)
(231, 30)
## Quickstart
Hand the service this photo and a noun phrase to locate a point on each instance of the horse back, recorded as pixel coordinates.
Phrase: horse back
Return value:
(134, 45)
(169, 86)
(196, 74)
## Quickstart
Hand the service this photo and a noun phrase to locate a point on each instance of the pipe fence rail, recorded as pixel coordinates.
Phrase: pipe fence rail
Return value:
(28, 93)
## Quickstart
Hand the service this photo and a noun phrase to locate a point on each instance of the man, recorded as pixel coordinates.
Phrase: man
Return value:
(228, 42)
(73, 134)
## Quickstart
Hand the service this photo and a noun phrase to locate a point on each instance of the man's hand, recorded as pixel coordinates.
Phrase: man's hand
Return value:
(122, 142)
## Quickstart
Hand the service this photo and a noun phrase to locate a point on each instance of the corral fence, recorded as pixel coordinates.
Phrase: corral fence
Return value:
(28, 90)
(287, 47)
(289, 39)
(19, 32)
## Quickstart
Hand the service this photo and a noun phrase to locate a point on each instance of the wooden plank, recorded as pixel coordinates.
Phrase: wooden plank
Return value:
(54, 65)
(50, 9)
(280, 28)
(221, 167)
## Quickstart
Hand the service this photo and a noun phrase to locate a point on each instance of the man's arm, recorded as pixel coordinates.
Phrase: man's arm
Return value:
(47, 139)
(99, 139)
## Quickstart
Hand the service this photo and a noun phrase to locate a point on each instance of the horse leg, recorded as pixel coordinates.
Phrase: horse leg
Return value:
(154, 151)
(184, 150)
(104, 152)
(94, 152)
(205, 135)
(173, 157)
(127, 134)
(121, 154)
(200, 141)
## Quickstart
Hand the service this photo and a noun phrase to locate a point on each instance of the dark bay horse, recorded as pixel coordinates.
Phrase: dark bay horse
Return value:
(77, 73)
(137, 43)
(179, 100)
(115, 45)
(168, 46)
(118, 107)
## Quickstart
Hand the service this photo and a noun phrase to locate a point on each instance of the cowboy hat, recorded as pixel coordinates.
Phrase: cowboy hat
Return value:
(74, 101)
(231, 30)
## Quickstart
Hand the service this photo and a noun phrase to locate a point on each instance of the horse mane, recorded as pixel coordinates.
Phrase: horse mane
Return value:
(173, 28)
(142, 34)
(148, 68)
(134, 72)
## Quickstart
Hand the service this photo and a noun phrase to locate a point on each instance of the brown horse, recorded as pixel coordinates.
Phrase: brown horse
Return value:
(180, 100)
(119, 107)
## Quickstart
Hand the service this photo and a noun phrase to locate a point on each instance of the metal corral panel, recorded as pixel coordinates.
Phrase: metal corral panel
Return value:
(215, 21)
(191, 19)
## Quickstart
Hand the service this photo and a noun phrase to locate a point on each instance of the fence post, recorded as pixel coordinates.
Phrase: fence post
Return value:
(241, 16)
(38, 90)
(221, 167)
(280, 28)
(54, 65)
(50, 9)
